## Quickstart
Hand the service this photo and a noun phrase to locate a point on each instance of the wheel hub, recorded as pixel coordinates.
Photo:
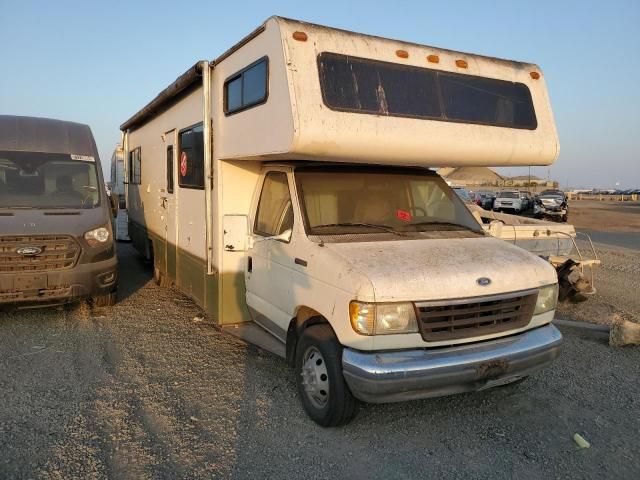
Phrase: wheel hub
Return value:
(315, 378)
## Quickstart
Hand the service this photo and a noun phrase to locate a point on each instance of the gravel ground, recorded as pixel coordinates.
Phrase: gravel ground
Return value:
(148, 390)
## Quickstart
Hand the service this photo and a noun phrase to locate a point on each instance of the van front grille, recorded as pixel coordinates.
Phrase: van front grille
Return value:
(473, 317)
(44, 253)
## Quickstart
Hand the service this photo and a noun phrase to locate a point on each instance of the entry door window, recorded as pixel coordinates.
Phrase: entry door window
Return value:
(170, 169)
(275, 213)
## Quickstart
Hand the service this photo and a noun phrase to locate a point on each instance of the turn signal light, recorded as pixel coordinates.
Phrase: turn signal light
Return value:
(462, 63)
(433, 59)
(300, 36)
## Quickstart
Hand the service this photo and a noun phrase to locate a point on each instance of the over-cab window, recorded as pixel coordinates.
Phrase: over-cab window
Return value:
(275, 213)
(191, 158)
(247, 88)
(362, 85)
(135, 166)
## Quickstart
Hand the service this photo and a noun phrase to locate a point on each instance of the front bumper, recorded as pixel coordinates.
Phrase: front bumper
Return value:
(380, 377)
(58, 286)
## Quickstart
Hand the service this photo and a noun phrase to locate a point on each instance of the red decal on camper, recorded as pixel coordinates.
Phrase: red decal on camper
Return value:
(183, 164)
(403, 215)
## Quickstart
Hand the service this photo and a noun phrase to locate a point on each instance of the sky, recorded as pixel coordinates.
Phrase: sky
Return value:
(100, 62)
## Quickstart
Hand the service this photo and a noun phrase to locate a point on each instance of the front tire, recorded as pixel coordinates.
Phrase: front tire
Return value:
(106, 300)
(322, 389)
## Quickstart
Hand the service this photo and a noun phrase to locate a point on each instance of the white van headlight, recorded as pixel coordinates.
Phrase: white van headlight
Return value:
(547, 299)
(383, 318)
(97, 236)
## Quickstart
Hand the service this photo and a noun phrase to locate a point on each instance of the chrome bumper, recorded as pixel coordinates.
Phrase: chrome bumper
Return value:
(381, 377)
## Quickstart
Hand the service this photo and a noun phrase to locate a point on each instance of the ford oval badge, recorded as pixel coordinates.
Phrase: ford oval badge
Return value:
(483, 281)
(29, 251)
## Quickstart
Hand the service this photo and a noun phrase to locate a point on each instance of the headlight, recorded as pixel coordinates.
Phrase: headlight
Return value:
(547, 299)
(97, 236)
(382, 318)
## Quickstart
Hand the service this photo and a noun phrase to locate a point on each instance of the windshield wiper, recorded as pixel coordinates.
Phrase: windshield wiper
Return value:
(19, 207)
(385, 228)
(445, 223)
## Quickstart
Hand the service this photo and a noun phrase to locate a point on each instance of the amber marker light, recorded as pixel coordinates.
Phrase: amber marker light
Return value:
(402, 53)
(462, 63)
(534, 75)
(433, 59)
(300, 36)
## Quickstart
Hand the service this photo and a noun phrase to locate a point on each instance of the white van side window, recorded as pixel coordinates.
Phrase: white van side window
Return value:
(275, 213)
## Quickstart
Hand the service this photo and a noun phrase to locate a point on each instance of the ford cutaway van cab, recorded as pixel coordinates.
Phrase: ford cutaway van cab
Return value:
(56, 237)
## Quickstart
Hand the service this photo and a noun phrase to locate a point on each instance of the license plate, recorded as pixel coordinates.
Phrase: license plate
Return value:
(30, 282)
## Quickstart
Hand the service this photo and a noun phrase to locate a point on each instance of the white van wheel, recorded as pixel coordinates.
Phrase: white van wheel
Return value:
(322, 389)
(315, 378)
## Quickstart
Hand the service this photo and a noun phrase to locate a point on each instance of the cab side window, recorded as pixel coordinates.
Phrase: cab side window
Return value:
(275, 212)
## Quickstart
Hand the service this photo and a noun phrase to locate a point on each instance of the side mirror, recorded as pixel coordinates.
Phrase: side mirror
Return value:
(283, 237)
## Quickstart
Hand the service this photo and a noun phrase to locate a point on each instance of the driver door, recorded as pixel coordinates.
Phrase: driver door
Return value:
(269, 270)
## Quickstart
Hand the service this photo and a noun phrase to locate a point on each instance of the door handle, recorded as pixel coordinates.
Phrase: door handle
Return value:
(249, 264)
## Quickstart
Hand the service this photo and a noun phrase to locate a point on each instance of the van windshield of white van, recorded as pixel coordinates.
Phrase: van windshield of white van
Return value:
(347, 200)
(41, 180)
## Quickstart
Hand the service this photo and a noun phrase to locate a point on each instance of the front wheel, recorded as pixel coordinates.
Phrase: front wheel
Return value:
(106, 300)
(322, 389)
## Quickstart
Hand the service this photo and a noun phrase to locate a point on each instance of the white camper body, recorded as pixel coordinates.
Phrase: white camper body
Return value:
(226, 173)
(118, 189)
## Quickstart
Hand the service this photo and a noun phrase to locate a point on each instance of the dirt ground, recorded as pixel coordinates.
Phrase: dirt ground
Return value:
(605, 216)
(617, 280)
(147, 389)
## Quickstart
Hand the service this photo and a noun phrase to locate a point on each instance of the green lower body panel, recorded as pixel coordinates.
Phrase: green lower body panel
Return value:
(186, 271)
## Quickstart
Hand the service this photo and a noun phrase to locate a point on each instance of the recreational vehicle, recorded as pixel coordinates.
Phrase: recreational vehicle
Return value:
(118, 193)
(56, 238)
(286, 187)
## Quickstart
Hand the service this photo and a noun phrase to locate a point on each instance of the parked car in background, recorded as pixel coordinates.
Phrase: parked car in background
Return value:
(528, 197)
(508, 200)
(485, 199)
(551, 204)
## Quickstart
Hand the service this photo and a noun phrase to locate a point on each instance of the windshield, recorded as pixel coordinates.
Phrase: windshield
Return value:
(508, 195)
(343, 200)
(42, 180)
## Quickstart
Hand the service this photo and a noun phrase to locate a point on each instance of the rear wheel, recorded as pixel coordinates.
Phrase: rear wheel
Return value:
(106, 300)
(160, 278)
(322, 389)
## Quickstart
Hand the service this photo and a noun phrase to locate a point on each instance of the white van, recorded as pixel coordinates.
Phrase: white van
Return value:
(285, 186)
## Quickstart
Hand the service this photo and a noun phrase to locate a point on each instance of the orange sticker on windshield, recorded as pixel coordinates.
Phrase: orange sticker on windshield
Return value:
(403, 215)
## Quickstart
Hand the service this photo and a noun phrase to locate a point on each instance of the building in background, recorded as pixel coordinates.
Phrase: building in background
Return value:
(471, 176)
(483, 178)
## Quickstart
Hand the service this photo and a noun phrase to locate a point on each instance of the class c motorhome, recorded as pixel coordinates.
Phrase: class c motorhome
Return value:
(286, 187)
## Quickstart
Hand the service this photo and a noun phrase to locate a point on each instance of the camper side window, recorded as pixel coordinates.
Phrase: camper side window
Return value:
(247, 88)
(191, 160)
(170, 169)
(275, 213)
(135, 166)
